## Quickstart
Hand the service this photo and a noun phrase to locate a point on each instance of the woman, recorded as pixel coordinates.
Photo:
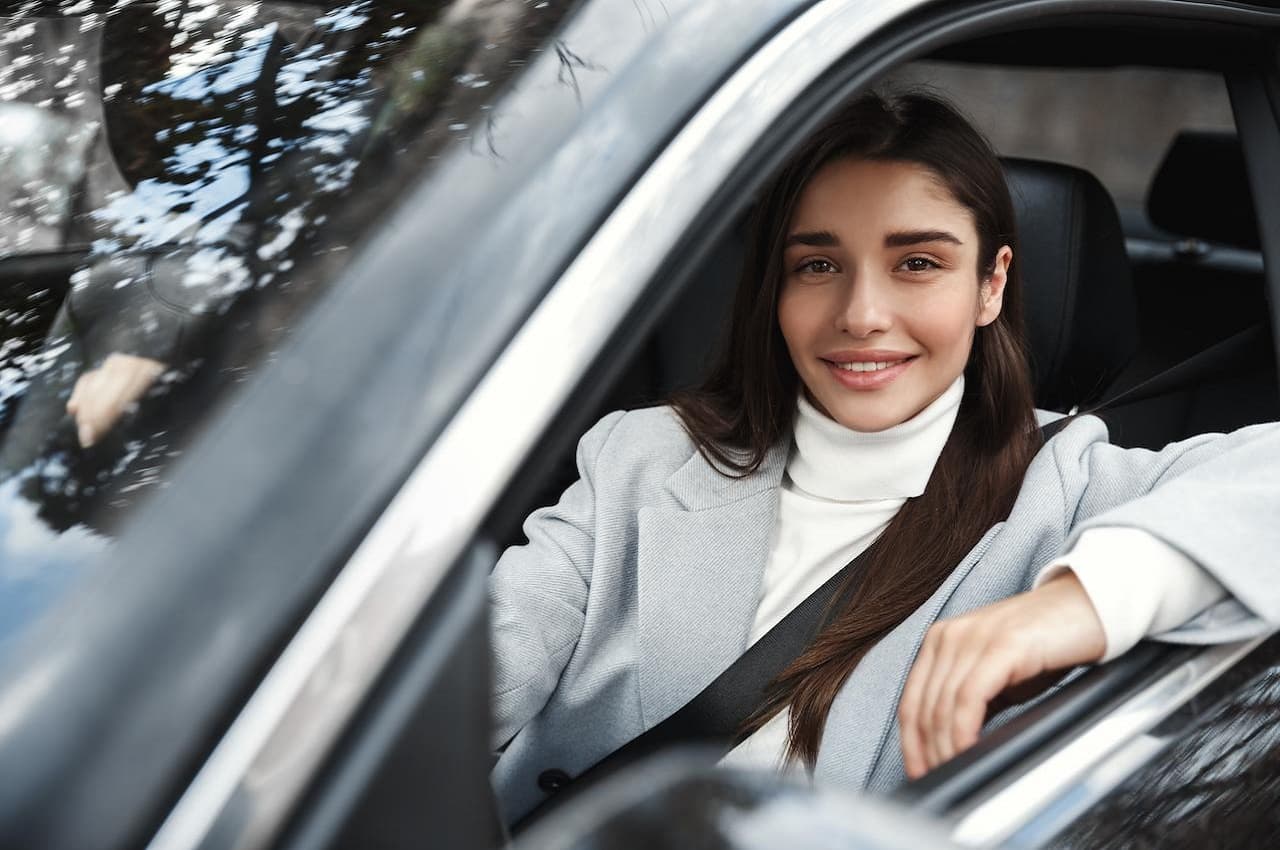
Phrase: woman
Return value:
(873, 395)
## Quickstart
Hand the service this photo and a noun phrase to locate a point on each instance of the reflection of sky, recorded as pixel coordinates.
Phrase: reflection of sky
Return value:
(147, 213)
(345, 18)
(215, 170)
(243, 69)
(37, 565)
(161, 211)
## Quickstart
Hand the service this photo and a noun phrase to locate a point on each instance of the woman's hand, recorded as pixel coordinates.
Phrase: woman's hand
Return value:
(966, 662)
(101, 395)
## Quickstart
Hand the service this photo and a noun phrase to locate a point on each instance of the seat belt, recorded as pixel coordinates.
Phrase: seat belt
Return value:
(1246, 346)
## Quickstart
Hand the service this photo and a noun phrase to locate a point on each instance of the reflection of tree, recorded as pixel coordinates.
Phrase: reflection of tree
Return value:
(264, 139)
(570, 62)
(1216, 786)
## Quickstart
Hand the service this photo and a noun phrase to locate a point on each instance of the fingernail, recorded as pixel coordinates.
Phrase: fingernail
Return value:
(86, 436)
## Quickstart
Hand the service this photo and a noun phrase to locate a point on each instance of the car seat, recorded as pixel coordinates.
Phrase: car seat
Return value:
(1198, 280)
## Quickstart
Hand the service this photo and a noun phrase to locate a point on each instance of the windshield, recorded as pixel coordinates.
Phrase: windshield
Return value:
(179, 182)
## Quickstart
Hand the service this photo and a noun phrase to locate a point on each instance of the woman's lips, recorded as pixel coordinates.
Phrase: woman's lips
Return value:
(868, 380)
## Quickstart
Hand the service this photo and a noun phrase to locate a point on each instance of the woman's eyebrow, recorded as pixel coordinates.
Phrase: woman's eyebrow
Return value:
(814, 238)
(904, 238)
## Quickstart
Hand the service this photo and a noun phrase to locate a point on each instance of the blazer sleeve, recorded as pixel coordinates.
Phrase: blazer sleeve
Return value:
(1214, 498)
(538, 594)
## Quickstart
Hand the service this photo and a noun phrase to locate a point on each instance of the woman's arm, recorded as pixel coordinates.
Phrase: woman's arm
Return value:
(538, 594)
(1138, 584)
(1214, 500)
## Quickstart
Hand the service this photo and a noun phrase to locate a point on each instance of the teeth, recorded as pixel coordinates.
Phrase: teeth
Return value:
(868, 366)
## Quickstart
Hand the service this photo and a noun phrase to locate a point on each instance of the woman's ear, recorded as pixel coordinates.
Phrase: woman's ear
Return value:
(991, 293)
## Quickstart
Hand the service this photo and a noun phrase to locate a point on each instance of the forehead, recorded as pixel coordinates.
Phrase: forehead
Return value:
(879, 195)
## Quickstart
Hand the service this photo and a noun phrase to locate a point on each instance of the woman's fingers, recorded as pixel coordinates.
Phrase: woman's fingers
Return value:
(965, 663)
(956, 697)
(945, 648)
(989, 675)
(910, 712)
(963, 675)
(73, 403)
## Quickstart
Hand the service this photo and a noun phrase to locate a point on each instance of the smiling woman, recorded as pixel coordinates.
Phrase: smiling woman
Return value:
(855, 271)
(913, 224)
(870, 424)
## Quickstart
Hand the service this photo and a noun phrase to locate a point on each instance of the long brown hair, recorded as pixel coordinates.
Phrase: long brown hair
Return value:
(747, 403)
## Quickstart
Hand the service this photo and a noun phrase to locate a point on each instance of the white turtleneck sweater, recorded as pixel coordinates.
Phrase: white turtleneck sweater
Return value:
(841, 489)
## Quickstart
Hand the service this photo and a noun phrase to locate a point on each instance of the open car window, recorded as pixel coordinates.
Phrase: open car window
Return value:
(1168, 285)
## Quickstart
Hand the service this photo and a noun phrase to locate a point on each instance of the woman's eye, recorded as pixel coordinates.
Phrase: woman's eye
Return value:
(818, 267)
(919, 264)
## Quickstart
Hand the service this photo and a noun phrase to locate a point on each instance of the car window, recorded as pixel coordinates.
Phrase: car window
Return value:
(179, 184)
(1115, 123)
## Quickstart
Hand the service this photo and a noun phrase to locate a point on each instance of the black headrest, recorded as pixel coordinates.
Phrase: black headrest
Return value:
(1202, 190)
(1081, 316)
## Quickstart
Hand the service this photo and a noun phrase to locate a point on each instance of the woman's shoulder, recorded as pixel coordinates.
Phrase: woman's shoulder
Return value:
(1081, 454)
(652, 438)
(1069, 443)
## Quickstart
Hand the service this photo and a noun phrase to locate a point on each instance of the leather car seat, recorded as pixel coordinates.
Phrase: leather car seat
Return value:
(1078, 289)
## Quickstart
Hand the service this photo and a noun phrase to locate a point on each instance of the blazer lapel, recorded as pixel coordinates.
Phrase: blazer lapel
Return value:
(865, 711)
(699, 571)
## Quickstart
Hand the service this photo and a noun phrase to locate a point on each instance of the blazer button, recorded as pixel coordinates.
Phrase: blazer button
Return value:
(553, 780)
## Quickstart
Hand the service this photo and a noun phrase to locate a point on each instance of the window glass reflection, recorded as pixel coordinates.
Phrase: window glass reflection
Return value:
(1216, 785)
(179, 181)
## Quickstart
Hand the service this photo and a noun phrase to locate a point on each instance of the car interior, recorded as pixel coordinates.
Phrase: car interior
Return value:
(1156, 313)
(1112, 302)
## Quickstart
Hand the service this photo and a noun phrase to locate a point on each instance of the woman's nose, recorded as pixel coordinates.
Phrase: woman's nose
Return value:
(866, 308)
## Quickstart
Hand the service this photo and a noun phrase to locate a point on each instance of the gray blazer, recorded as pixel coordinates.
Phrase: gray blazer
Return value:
(639, 587)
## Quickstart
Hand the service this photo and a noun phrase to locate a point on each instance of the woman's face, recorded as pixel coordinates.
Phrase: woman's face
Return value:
(880, 295)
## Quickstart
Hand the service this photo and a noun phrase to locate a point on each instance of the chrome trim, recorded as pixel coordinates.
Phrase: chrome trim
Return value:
(295, 716)
(1001, 814)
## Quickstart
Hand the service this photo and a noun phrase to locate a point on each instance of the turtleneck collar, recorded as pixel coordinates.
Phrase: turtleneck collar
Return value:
(833, 462)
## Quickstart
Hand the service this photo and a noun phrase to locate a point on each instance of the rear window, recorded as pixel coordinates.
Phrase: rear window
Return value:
(1115, 123)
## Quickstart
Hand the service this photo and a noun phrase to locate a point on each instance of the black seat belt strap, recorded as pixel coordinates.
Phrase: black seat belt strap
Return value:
(1250, 345)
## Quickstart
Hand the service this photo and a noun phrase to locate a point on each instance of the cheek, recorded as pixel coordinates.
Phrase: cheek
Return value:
(947, 329)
